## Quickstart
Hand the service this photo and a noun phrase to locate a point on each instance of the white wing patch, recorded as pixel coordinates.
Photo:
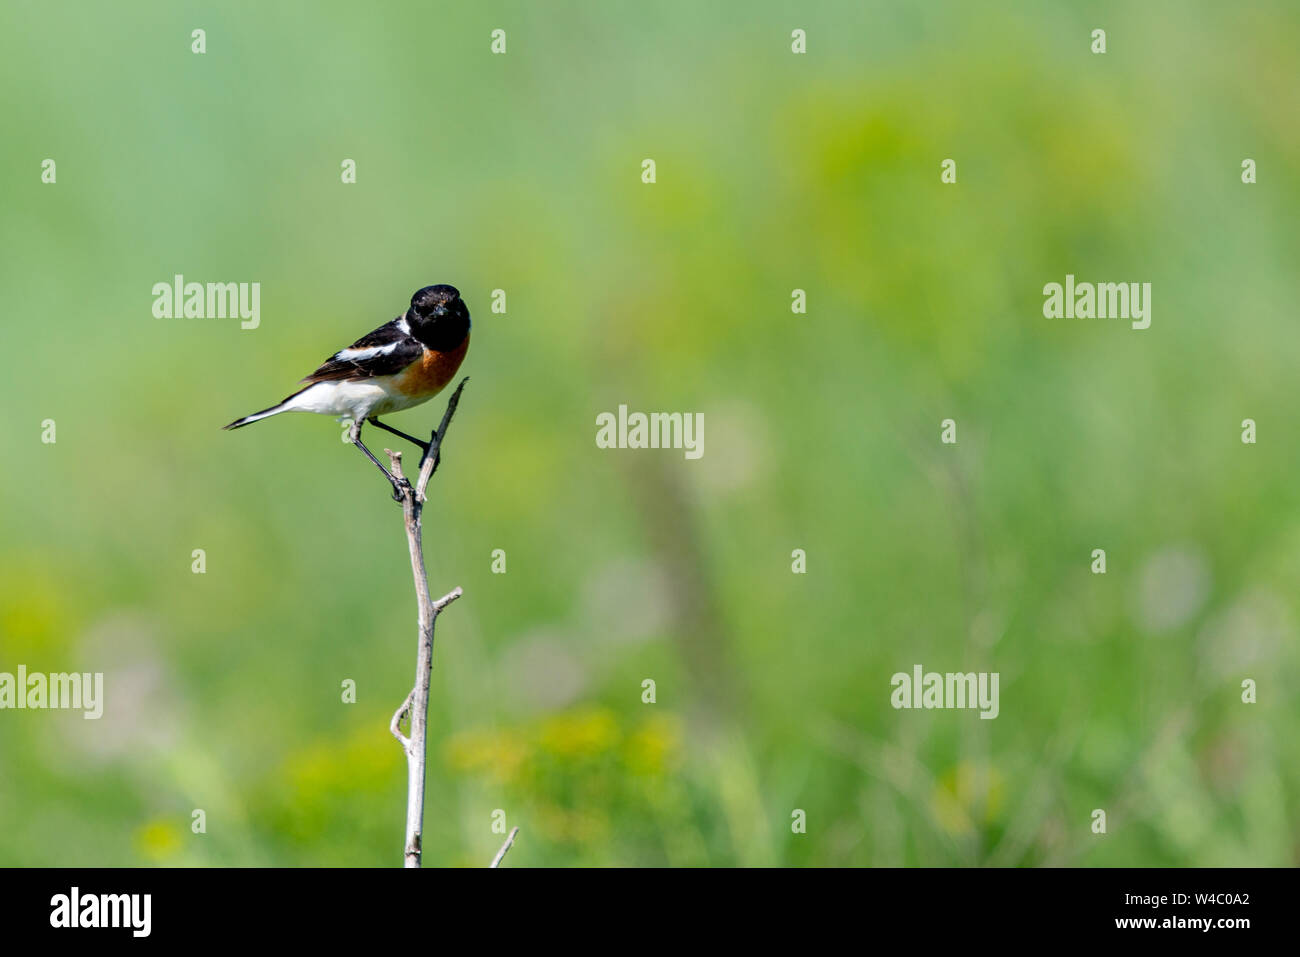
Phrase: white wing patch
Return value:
(358, 355)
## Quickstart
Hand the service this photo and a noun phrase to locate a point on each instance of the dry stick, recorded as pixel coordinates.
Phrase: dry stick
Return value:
(496, 861)
(417, 702)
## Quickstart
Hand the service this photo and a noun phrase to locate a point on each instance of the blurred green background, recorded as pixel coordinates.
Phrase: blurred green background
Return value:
(775, 171)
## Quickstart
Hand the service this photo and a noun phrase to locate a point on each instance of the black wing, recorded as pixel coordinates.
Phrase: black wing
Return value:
(386, 351)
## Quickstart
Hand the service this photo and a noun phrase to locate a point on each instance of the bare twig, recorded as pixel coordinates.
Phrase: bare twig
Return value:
(417, 702)
(396, 725)
(496, 861)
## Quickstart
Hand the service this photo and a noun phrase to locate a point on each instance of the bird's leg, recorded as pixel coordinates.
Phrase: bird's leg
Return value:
(398, 487)
(424, 446)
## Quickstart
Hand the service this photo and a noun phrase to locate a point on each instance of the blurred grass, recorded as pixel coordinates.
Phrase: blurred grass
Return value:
(774, 172)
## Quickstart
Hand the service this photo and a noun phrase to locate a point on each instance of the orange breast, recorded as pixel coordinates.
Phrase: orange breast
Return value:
(431, 374)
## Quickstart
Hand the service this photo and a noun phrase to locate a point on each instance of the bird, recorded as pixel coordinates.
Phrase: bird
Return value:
(403, 363)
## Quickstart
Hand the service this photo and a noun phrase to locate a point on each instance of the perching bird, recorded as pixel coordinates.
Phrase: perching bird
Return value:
(399, 365)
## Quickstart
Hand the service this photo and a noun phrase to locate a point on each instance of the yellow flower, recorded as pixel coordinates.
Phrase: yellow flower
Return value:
(500, 753)
(964, 794)
(363, 761)
(580, 734)
(654, 746)
(158, 840)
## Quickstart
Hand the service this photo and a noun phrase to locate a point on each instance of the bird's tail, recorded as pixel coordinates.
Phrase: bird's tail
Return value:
(264, 414)
(288, 405)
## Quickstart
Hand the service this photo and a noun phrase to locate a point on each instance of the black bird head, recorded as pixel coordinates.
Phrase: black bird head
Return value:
(438, 317)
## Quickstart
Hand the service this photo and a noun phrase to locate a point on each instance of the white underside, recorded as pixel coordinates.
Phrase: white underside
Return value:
(360, 400)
